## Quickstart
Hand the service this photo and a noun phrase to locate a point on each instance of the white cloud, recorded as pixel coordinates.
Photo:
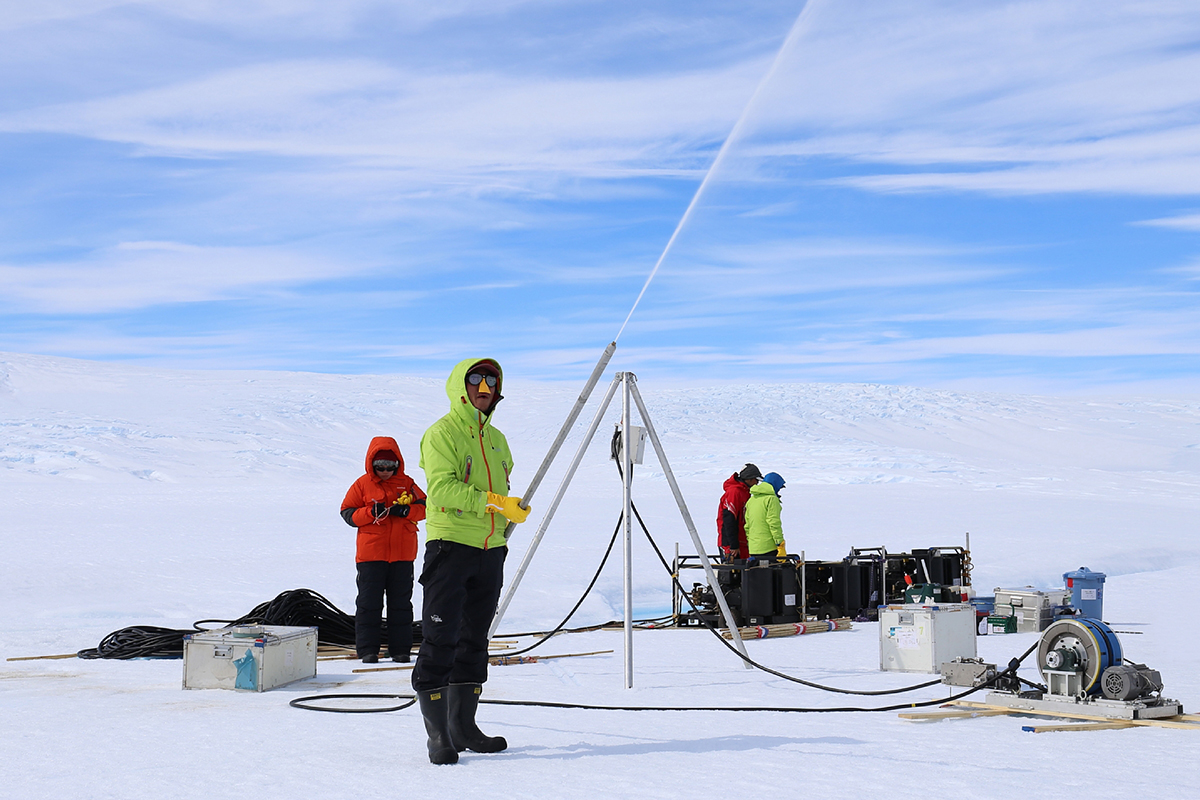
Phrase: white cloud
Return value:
(804, 266)
(435, 123)
(284, 17)
(1135, 339)
(1182, 222)
(1008, 97)
(1012, 97)
(135, 275)
(1132, 340)
(1190, 271)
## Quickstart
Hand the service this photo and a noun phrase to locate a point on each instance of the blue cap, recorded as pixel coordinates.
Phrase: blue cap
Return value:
(776, 481)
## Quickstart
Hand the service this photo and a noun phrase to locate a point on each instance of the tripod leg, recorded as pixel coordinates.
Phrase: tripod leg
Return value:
(687, 517)
(545, 523)
(580, 402)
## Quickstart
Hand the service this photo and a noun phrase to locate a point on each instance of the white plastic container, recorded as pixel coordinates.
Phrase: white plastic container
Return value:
(920, 638)
(251, 659)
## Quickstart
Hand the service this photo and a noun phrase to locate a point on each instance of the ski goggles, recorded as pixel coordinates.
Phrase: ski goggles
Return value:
(383, 465)
(476, 378)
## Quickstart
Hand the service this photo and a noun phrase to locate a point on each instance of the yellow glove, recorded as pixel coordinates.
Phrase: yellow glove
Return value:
(781, 552)
(403, 500)
(508, 506)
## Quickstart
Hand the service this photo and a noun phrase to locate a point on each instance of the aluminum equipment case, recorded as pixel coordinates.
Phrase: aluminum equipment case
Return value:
(1034, 609)
(920, 638)
(251, 658)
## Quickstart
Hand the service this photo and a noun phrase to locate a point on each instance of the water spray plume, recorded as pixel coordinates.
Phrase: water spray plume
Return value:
(729, 140)
(607, 355)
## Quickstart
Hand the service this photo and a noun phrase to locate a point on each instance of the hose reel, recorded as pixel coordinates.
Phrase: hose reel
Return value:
(1086, 673)
(1073, 655)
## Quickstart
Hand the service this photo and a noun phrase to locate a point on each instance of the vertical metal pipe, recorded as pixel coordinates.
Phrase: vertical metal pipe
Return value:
(883, 576)
(553, 507)
(676, 600)
(803, 588)
(709, 573)
(627, 470)
(967, 561)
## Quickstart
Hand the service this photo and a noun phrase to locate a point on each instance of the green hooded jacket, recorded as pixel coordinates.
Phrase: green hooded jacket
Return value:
(764, 528)
(464, 458)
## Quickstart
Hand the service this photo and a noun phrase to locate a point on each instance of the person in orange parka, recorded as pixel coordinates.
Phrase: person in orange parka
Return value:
(385, 505)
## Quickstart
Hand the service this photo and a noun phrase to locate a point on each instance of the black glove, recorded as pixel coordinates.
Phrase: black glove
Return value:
(398, 511)
(379, 510)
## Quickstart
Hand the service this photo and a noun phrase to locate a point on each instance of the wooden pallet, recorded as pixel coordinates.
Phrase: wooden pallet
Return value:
(962, 709)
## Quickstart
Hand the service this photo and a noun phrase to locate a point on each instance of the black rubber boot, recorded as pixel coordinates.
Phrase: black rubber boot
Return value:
(435, 708)
(464, 700)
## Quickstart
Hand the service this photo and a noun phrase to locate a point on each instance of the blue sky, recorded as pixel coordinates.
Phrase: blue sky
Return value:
(1000, 195)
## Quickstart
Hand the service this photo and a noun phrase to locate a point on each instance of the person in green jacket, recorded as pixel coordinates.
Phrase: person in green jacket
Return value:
(764, 527)
(467, 467)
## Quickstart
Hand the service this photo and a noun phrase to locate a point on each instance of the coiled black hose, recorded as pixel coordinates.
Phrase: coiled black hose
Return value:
(295, 607)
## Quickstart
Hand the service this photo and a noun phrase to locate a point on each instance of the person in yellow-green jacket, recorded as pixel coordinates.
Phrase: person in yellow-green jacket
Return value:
(764, 526)
(467, 467)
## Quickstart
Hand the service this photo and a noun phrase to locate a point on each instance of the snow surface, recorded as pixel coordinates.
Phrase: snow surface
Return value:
(142, 496)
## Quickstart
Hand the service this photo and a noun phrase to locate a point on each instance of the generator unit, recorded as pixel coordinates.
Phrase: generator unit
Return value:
(788, 591)
(759, 594)
(871, 577)
(1083, 666)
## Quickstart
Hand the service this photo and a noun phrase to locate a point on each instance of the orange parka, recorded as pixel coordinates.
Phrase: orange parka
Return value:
(388, 538)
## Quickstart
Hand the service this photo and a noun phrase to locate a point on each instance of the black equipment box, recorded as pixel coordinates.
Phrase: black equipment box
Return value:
(856, 586)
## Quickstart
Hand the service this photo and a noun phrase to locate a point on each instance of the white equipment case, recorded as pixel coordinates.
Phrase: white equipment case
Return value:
(920, 638)
(1034, 609)
(252, 658)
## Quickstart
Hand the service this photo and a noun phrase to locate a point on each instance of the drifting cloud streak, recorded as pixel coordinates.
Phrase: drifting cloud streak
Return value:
(369, 112)
(1182, 222)
(135, 275)
(1014, 97)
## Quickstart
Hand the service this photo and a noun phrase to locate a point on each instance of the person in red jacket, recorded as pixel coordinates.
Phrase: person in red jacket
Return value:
(731, 513)
(385, 505)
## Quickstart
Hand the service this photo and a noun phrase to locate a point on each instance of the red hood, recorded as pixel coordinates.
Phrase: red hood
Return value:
(383, 443)
(732, 482)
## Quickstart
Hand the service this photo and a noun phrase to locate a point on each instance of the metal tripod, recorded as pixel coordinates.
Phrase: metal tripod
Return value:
(628, 383)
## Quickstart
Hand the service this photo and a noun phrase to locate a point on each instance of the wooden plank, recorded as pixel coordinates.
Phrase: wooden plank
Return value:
(1167, 722)
(498, 661)
(1078, 726)
(382, 669)
(951, 714)
(40, 658)
(1178, 721)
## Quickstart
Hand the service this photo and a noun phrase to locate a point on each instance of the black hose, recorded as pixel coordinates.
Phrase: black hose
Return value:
(729, 645)
(1009, 671)
(139, 641)
(586, 592)
(713, 630)
(296, 608)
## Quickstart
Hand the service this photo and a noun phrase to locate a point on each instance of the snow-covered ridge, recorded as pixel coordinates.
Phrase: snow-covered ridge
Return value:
(1114, 483)
(67, 417)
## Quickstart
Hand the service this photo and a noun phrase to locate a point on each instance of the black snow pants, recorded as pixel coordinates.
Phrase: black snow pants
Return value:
(461, 586)
(376, 579)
